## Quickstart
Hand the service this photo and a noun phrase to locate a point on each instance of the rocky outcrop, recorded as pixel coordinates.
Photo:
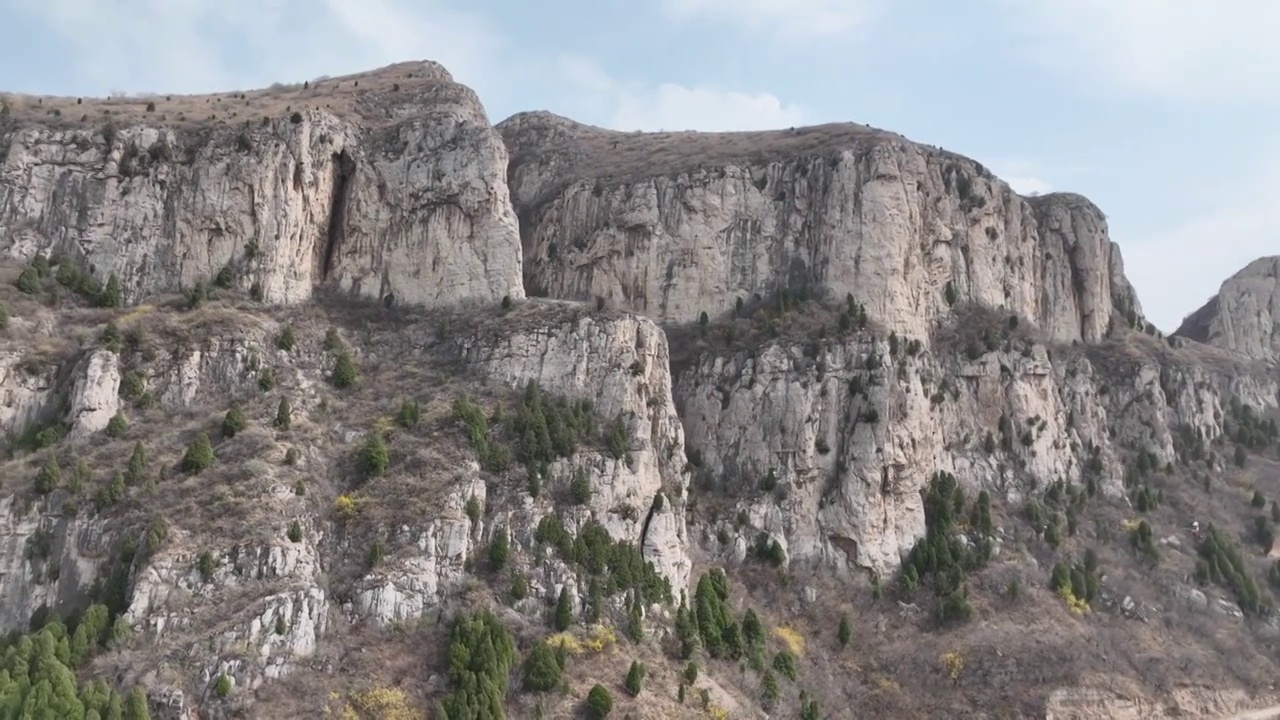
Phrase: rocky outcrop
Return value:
(254, 610)
(828, 446)
(995, 346)
(25, 390)
(1124, 701)
(95, 398)
(47, 559)
(434, 561)
(674, 225)
(405, 201)
(1244, 316)
(252, 575)
(620, 363)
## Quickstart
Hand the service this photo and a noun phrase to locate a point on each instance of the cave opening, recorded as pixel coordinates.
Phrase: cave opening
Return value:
(343, 168)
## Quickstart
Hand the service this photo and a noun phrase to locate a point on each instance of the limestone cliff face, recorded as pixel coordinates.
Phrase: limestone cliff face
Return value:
(25, 391)
(407, 201)
(95, 397)
(622, 364)
(1244, 316)
(997, 348)
(828, 448)
(47, 558)
(676, 224)
(252, 595)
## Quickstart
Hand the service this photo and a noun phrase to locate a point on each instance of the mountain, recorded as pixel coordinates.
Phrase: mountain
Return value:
(1244, 316)
(334, 399)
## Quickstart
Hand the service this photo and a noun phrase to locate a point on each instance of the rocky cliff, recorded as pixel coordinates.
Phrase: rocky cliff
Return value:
(845, 423)
(391, 190)
(259, 561)
(831, 443)
(675, 225)
(1245, 314)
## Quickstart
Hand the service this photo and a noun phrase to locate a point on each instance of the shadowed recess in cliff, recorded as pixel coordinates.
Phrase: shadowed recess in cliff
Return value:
(343, 169)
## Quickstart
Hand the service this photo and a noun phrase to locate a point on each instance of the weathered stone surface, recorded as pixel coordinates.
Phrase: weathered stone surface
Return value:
(25, 389)
(622, 364)
(1244, 316)
(46, 559)
(1012, 367)
(848, 488)
(95, 398)
(676, 224)
(411, 205)
(434, 561)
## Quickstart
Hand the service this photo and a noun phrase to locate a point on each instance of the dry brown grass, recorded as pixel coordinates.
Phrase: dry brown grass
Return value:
(594, 152)
(365, 96)
(807, 324)
(1017, 651)
(352, 660)
(572, 152)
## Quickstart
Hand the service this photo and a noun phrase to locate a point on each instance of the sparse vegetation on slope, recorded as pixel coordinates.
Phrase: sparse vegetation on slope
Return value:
(365, 510)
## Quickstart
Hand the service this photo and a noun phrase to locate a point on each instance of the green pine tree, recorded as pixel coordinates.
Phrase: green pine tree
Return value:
(115, 707)
(542, 673)
(49, 477)
(599, 702)
(234, 422)
(409, 414)
(752, 630)
(135, 707)
(137, 464)
(114, 489)
(635, 622)
(118, 425)
(345, 373)
(286, 340)
(111, 338)
(564, 611)
(635, 678)
(375, 456)
(29, 281)
(284, 414)
(199, 456)
(499, 549)
(769, 689)
(686, 632)
(111, 294)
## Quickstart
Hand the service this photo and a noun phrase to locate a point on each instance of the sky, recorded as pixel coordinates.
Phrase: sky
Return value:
(1163, 112)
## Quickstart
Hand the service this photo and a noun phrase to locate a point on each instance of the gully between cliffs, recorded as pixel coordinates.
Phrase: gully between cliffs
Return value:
(343, 167)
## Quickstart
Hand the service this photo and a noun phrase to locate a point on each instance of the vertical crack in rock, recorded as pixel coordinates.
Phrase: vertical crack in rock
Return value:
(344, 167)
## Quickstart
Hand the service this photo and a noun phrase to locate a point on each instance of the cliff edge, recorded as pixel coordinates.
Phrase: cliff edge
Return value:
(1244, 316)
(675, 225)
(388, 185)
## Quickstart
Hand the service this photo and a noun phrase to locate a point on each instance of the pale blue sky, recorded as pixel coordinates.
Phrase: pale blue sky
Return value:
(1165, 112)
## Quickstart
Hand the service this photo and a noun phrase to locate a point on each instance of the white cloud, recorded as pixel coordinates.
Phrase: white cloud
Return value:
(1022, 175)
(1220, 51)
(208, 45)
(205, 46)
(675, 107)
(796, 19)
(672, 107)
(1177, 269)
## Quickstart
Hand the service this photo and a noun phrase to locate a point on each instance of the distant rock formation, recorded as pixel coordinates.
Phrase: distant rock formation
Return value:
(1244, 316)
